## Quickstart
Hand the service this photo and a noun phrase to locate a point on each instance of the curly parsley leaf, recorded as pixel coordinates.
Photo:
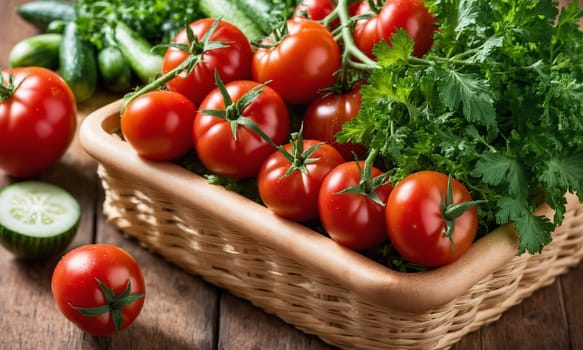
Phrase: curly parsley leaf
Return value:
(472, 93)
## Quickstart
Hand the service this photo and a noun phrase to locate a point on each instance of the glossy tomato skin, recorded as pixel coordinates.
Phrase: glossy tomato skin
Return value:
(314, 9)
(296, 196)
(37, 123)
(410, 15)
(301, 64)
(158, 125)
(213, 139)
(324, 117)
(74, 284)
(415, 224)
(352, 220)
(232, 62)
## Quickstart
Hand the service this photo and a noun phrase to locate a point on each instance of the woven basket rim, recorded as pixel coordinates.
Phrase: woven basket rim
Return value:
(373, 282)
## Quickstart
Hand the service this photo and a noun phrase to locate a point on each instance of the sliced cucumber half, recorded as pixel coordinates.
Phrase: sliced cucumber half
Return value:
(37, 219)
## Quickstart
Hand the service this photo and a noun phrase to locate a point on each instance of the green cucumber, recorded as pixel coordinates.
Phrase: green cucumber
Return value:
(78, 63)
(261, 12)
(230, 12)
(138, 53)
(57, 26)
(38, 50)
(37, 219)
(114, 70)
(42, 12)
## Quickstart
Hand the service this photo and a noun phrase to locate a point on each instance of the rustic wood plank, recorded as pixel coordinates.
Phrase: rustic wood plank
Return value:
(572, 288)
(183, 311)
(537, 323)
(244, 326)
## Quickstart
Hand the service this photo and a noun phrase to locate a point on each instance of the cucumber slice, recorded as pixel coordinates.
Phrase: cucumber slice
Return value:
(37, 219)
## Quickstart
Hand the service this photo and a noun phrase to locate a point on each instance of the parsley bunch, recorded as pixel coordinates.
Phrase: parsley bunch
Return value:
(497, 103)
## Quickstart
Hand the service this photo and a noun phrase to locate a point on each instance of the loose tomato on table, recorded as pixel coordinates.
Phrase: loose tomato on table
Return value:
(301, 63)
(224, 140)
(324, 117)
(410, 15)
(99, 287)
(232, 61)
(289, 181)
(38, 120)
(158, 125)
(427, 222)
(351, 205)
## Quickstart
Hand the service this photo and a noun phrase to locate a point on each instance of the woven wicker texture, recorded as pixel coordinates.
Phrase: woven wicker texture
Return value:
(228, 257)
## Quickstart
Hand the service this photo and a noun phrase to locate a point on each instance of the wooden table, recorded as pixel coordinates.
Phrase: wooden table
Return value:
(184, 312)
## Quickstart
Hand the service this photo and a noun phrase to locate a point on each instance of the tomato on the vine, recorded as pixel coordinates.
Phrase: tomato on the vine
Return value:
(233, 61)
(290, 186)
(410, 15)
(158, 125)
(99, 287)
(38, 120)
(314, 9)
(354, 219)
(238, 151)
(422, 227)
(302, 63)
(324, 117)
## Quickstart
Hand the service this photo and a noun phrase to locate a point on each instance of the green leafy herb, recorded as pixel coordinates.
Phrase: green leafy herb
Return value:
(497, 103)
(158, 21)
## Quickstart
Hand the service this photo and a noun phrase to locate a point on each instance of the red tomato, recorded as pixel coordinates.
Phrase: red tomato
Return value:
(353, 220)
(324, 117)
(302, 63)
(38, 120)
(158, 125)
(416, 224)
(314, 9)
(232, 62)
(295, 196)
(239, 157)
(410, 15)
(77, 291)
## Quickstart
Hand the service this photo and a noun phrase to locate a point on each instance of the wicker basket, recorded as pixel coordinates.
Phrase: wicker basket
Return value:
(305, 278)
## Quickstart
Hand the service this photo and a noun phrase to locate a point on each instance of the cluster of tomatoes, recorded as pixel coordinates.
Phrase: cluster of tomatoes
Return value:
(229, 101)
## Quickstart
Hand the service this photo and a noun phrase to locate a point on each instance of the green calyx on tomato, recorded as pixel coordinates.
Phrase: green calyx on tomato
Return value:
(196, 49)
(7, 88)
(368, 185)
(298, 157)
(233, 112)
(237, 126)
(451, 211)
(115, 304)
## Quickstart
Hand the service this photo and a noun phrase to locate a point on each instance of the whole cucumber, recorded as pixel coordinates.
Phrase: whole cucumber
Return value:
(138, 53)
(40, 50)
(229, 11)
(78, 63)
(42, 12)
(115, 71)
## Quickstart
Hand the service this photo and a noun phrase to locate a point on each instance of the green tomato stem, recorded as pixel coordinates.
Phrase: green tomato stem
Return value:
(115, 304)
(7, 88)
(196, 49)
(350, 49)
(451, 211)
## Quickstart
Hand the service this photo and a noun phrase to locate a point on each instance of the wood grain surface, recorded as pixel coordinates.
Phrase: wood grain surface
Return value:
(184, 312)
